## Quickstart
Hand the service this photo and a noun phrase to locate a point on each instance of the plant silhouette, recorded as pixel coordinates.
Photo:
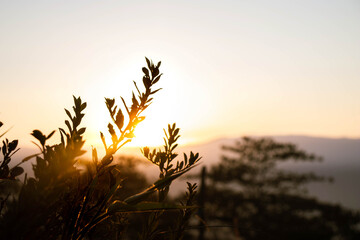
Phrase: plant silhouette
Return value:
(63, 201)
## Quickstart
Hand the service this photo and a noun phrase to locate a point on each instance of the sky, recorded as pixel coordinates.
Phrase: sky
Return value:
(230, 68)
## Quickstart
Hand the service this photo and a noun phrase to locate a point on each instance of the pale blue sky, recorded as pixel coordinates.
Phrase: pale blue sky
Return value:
(230, 67)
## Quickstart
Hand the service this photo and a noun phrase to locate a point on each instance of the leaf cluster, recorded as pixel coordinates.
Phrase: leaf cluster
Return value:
(8, 149)
(164, 159)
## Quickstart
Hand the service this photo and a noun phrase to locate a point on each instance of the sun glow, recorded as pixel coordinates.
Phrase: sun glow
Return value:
(163, 110)
(148, 133)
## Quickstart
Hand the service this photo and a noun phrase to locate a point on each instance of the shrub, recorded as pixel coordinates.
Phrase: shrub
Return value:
(62, 201)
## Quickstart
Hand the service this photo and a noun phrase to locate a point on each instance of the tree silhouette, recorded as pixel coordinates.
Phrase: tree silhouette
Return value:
(249, 192)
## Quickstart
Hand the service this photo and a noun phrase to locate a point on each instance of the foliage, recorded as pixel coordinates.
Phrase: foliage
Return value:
(8, 149)
(66, 201)
(165, 160)
(260, 201)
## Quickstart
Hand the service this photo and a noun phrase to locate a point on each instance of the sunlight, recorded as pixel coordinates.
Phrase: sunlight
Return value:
(157, 117)
(148, 133)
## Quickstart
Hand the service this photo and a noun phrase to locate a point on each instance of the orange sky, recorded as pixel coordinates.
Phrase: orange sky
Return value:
(230, 67)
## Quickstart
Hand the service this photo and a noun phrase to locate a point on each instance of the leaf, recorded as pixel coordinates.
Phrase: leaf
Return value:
(173, 147)
(153, 92)
(62, 133)
(181, 165)
(81, 131)
(12, 145)
(119, 119)
(146, 82)
(109, 102)
(107, 159)
(68, 113)
(112, 132)
(185, 159)
(148, 62)
(16, 171)
(4, 148)
(127, 109)
(157, 79)
(68, 125)
(155, 72)
(39, 136)
(146, 152)
(135, 102)
(77, 102)
(50, 135)
(103, 140)
(83, 106)
(112, 112)
(145, 70)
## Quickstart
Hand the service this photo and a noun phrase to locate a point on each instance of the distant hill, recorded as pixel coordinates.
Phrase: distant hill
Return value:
(341, 161)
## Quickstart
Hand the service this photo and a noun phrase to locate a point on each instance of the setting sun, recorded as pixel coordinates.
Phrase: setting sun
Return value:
(147, 133)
